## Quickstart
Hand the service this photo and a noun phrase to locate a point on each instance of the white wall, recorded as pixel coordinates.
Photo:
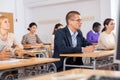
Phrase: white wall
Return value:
(17, 8)
(28, 18)
(114, 11)
(20, 16)
(105, 9)
(47, 17)
(89, 11)
(7, 5)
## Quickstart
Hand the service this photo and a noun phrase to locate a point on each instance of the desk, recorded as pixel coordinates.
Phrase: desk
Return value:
(39, 53)
(27, 62)
(93, 55)
(44, 51)
(24, 65)
(29, 46)
(86, 72)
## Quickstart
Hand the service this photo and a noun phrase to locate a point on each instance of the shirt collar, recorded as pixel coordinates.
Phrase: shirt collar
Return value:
(73, 33)
(94, 32)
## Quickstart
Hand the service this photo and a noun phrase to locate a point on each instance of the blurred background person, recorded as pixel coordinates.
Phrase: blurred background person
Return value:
(8, 40)
(57, 26)
(107, 37)
(32, 37)
(93, 35)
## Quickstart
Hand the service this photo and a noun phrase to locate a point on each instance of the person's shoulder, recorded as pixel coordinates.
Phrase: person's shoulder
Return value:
(25, 35)
(79, 31)
(103, 34)
(113, 33)
(11, 34)
(90, 31)
(36, 34)
(62, 30)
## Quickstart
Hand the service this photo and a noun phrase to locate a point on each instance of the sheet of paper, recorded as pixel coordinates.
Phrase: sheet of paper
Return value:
(69, 77)
(12, 60)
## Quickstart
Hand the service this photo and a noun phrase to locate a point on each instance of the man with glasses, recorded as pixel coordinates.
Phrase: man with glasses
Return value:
(71, 40)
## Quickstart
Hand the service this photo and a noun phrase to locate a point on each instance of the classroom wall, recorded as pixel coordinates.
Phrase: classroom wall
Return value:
(46, 17)
(17, 8)
(114, 12)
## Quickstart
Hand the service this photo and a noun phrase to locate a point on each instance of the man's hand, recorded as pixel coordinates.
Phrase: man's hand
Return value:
(21, 53)
(88, 49)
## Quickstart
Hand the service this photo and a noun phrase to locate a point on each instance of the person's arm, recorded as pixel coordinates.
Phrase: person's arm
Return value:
(22, 53)
(84, 41)
(16, 45)
(38, 39)
(5, 54)
(89, 37)
(40, 43)
(86, 45)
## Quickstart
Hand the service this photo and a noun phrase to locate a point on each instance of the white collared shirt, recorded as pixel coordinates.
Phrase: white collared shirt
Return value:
(74, 37)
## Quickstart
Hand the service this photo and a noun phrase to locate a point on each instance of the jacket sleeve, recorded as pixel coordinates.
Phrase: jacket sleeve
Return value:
(84, 41)
(61, 44)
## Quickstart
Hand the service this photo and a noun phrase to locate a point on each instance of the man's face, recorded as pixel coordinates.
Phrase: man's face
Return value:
(75, 22)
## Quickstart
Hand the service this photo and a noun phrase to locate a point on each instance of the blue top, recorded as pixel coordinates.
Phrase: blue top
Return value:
(93, 36)
(74, 37)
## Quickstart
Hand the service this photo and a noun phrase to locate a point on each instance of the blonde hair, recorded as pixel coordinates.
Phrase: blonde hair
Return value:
(2, 18)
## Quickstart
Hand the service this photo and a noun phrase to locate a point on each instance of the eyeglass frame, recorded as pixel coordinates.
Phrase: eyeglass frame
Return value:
(78, 20)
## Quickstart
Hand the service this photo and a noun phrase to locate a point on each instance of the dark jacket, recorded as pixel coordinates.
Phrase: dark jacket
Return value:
(63, 44)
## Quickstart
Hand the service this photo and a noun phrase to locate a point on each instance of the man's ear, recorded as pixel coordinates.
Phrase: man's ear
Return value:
(69, 21)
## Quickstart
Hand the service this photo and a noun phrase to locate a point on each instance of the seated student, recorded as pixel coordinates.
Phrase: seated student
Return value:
(8, 39)
(107, 37)
(93, 35)
(57, 26)
(32, 37)
(71, 40)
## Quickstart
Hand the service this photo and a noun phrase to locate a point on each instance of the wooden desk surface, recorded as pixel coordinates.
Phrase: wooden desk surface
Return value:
(86, 72)
(28, 46)
(92, 54)
(35, 50)
(27, 62)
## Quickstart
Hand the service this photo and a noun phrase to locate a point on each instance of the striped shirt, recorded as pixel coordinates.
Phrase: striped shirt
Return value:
(31, 39)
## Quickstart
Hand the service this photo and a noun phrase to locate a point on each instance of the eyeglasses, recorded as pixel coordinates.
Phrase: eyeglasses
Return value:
(78, 20)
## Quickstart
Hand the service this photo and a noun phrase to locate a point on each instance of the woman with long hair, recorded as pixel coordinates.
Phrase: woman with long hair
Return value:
(107, 37)
(8, 39)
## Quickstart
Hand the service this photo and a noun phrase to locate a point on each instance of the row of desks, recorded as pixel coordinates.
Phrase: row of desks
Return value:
(86, 73)
(34, 61)
(26, 67)
(94, 56)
